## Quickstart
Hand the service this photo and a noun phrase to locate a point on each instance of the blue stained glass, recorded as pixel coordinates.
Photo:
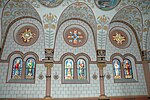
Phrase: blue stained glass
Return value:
(30, 68)
(68, 69)
(117, 68)
(128, 69)
(81, 69)
(17, 68)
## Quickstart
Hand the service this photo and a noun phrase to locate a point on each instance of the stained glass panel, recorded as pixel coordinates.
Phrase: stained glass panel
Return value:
(17, 68)
(117, 69)
(81, 69)
(68, 69)
(30, 68)
(128, 69)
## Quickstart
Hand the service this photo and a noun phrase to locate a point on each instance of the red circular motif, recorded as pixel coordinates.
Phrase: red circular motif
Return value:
(75, 36)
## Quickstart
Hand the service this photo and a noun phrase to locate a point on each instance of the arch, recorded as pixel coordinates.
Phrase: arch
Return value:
(11, 14)
(79, 11)
(24, 56)
(133, 18)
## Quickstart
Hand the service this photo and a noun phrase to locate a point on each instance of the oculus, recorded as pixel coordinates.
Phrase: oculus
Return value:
(106, 4)
(75, 36)
(120, 37)
(26, 35)
(50, 3)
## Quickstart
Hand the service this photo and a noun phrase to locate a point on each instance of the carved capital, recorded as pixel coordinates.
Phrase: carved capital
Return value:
(48, 65)
(101, 64)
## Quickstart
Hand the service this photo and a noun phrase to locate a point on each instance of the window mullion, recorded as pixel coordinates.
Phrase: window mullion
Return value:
(23, 70)
(122, 70)
(75, 70)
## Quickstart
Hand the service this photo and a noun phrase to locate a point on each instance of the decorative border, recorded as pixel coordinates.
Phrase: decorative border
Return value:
(49, 4)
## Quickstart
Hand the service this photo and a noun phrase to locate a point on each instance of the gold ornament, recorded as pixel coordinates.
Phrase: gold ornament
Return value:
(27, 35)
(118, 38)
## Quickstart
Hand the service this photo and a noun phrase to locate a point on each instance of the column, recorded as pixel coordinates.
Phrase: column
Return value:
(48, 81)
(147, 74)
(102, 96)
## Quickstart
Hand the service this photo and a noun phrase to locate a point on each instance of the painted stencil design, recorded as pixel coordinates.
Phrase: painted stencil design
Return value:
(50, 3)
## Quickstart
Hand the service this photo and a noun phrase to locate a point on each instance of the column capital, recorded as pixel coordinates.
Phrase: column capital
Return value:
(48, 65)
(101, 65)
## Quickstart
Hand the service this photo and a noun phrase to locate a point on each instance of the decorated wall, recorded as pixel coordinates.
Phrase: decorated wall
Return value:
(80, 34)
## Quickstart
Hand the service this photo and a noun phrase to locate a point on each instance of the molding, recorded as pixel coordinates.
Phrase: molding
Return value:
(123, 57)
(22, 56)
(139, 97)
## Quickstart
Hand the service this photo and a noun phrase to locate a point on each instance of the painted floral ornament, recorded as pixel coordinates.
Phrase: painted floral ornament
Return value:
(56, 76)
(118, 38)
(108, 76)
(27, 35)
(94, 76)
(41, 76)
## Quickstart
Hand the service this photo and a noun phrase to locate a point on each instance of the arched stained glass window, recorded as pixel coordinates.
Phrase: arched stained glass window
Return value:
(117, 68)
(128, 69)
(30, 68)
(17, 68)
(69, 69)
(81, 69)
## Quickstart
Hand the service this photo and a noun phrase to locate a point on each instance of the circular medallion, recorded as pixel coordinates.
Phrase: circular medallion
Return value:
(75, 35)
(94, 76)
(106, 4)
(119, 37)
(26, 35)
(50, 3)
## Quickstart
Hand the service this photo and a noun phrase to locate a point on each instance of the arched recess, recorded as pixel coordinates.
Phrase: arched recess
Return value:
(13, 11)
(132, 16)
(2, 3)
(130, 19)
(79, 11)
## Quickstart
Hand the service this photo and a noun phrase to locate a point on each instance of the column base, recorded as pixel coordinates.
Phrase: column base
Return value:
(48, 98)
(103, 97)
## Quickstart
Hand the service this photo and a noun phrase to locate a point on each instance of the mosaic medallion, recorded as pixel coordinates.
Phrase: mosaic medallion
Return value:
(106, 4)
(119, 38)
(75, 35)
(26, 35)
(50, 3)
